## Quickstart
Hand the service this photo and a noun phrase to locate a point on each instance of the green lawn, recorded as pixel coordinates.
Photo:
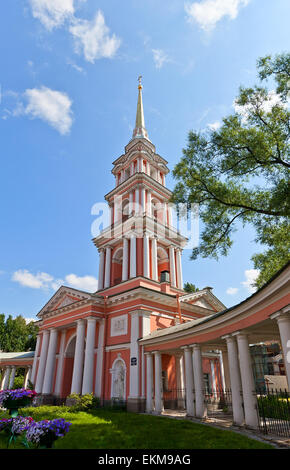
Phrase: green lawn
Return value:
(109, 429)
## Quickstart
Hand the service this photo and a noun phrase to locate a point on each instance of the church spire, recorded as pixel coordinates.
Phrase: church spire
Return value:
(140, 130)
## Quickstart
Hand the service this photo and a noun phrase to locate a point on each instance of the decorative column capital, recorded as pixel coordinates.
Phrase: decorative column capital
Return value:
(196, 346)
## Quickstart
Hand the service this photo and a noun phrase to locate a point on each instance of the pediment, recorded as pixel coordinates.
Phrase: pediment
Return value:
(63, 297)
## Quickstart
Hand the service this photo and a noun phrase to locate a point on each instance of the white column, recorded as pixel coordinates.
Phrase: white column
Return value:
(42, 362)
(133, 256)
(100, 353)
(198, 381)
(60, 363)
(143, 199)
(140, 164)
(131, 168)
(149, 382)
(213, 377)
(235, 380)
(50, 362)
(137, 202)
(179, 269)
(35, 359)
(149, 204)
(76, 385)
(108, 267)
(158, 383)
(134, 352)
(145, 331)
(101, 269)
(27, 376)
(179, 379)
(224, 360)
(165, 213)
(89, 357)
(6, 378)
(146, 265)
(12, 377)
(172, 266)
(3, 379)
(154, 260)
(125, 264)
(284, 329)
(248, 384)
(170, 214)
(189, 382)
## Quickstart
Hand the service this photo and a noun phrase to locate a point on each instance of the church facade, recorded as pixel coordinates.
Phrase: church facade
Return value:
(90, 343)
(141, 339)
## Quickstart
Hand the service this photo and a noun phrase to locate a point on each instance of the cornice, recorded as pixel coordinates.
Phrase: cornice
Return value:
(139, 178)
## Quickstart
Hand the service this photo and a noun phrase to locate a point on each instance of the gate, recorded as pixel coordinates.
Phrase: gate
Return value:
(218, 402)
(174, 399)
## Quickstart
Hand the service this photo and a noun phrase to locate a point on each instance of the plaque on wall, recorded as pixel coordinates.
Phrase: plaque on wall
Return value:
(133, 361)
(119, 325)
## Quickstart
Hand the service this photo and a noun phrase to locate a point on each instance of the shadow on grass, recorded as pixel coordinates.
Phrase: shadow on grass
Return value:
(108, 429)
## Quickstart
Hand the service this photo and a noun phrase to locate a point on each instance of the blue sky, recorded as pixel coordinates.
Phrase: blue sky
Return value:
(68, 80)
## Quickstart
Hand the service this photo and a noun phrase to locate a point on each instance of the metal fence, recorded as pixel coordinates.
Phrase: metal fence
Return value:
(274, 412)
(219, 401)
(174, 399)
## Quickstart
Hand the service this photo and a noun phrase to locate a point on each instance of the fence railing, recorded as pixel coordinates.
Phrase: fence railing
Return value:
(274, 412)
(174, 399)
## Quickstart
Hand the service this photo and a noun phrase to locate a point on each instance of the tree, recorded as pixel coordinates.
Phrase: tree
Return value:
(240, 172)
(189, 287)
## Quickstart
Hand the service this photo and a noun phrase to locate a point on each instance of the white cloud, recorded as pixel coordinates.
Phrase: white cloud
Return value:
(92, 38)
(87, 283)
(53, 107)
(52, 13)
(35, 281)
(208, 13)
(160, 58)
(232, 290)
(45, 281)
(29, 320)
(214, 126)
(251, 276)
(266, 105)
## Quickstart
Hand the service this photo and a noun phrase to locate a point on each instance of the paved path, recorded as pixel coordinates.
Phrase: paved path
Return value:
(222, 421)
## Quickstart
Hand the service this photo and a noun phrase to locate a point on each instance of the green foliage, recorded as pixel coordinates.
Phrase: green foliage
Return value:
(189, 287)
(84, 402)
(240, 172)
(16, 334)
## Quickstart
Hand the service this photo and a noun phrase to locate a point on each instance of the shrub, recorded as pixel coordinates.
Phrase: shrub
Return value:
(83, 402)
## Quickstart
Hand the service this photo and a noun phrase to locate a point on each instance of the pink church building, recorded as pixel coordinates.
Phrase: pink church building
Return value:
(141, 339)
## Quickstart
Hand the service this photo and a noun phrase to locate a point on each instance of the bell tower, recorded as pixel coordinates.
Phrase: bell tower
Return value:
(140, 242)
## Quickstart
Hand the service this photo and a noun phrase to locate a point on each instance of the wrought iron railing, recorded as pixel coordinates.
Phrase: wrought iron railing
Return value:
(274, 412)
(174, 399)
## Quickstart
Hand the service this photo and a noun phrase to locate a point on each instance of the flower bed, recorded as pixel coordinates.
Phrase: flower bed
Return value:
(42, 434)
(14, 399)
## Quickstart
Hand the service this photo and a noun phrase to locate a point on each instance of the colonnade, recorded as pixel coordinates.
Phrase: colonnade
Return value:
(83, 367)
(150, 266)
(237, 374)
(137, 166)
(8, 376)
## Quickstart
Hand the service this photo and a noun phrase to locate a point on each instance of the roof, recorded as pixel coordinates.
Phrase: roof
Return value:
(192, 323)
(16, 355)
